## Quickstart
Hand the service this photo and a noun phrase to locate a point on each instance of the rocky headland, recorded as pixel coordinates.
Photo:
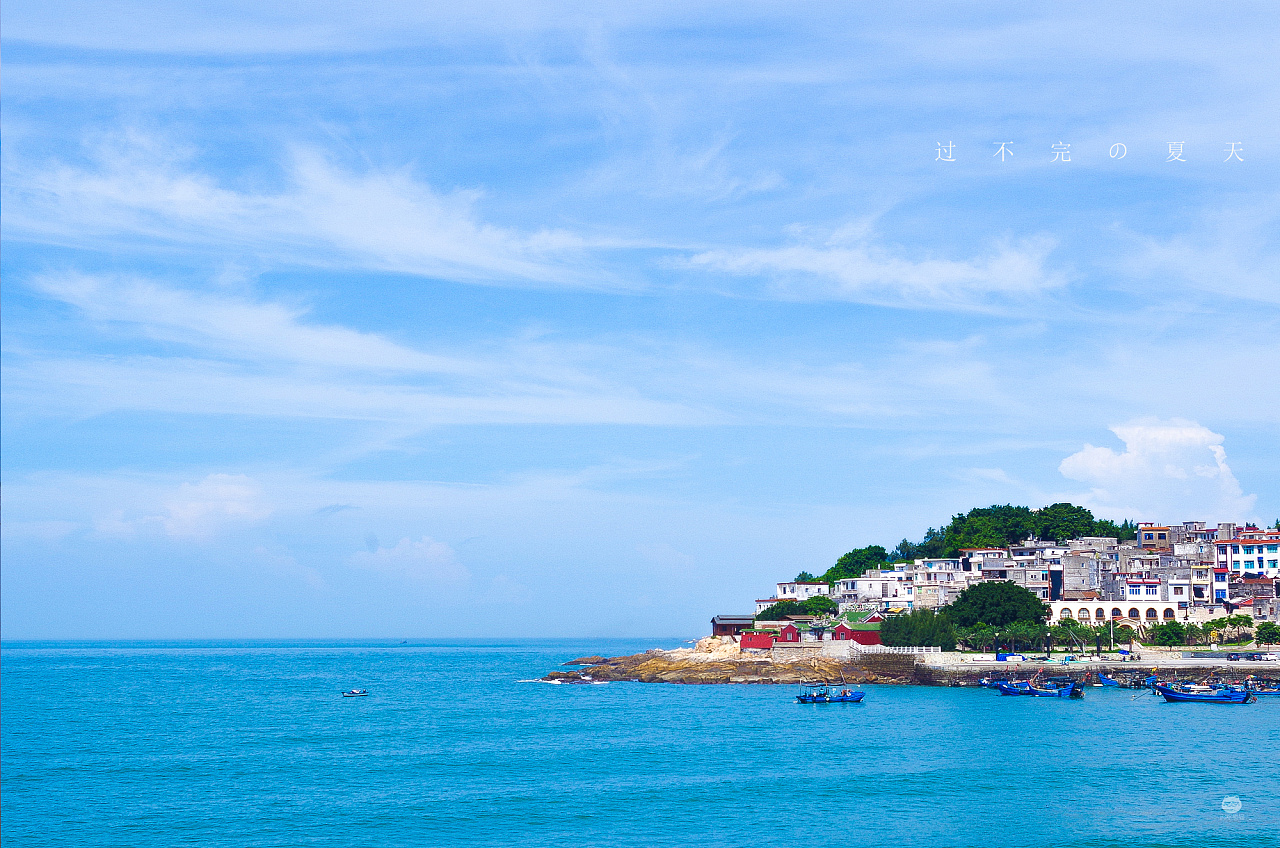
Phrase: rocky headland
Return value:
(716, 660)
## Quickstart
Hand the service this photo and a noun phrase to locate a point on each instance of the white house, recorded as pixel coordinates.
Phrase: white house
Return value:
(802, 591)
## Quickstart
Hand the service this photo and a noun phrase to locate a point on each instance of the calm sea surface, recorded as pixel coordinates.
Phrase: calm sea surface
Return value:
(250, 744)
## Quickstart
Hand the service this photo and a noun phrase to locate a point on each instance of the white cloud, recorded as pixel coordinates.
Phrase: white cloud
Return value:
(423, 561)
(194, 510)
(865, 273)
(234, 326)
(144, 191)
(1173, 470)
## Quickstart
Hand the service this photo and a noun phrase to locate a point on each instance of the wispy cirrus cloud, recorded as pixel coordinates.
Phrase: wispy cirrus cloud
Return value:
(864, 272)
(231, 326)
(142, 191)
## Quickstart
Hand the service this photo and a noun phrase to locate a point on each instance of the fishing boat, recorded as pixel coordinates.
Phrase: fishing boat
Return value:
(1199, 695)
(1107, 680)
(1013, 687)
(1262, 687)
(822, 694)
(1056, 689)
(355, 693)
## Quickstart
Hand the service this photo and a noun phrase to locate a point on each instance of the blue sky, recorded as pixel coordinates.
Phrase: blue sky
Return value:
(551, 320)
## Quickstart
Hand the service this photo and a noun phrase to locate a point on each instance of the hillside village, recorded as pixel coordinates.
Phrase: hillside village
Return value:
(1188, 573)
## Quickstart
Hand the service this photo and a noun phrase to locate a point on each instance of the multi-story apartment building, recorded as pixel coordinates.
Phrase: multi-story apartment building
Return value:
(1250, 551)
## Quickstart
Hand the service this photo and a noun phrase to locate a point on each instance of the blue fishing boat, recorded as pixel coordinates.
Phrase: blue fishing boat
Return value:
(1013, 687)
(1054, 689)
(1204, 694)
(822, 694)
(1107, 680)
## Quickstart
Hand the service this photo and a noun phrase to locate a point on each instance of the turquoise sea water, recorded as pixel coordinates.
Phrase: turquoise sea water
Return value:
(250, 744)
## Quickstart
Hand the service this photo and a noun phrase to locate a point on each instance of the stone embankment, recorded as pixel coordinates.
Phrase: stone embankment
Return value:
(715, 660)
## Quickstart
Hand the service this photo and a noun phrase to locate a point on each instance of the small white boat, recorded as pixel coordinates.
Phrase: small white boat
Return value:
(355, 693)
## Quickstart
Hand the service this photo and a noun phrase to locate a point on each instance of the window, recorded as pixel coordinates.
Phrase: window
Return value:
(1084, 614)
(1220, 594)
(1133, 612)
(1168, 614)
(1066, 613)
(1153, 590)
(1134, 590)
(1272, 549)
(1151, 614)
(1220, 578)
(1177, 590)
(1101, 613)
(1235, 549)
(1248, 549)
(1161, 536)
(1148, 536)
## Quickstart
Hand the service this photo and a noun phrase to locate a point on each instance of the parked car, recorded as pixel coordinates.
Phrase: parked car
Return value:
(1233, 657)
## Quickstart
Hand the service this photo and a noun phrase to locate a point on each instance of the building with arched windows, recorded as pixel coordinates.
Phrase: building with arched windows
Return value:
(1138, 611)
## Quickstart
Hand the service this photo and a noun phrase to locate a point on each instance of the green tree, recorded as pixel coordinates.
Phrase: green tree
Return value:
(978, 638)
(805, 577)
(1022, 634)
(1063, 521)
(855, 563)
(1237, 623)
(919, 628)
(1169, 634)
(1268, 633)
(1071, 633)
(820, 606)
(1194, 633)
(780, 611)
(996, 603)
(1123, 532)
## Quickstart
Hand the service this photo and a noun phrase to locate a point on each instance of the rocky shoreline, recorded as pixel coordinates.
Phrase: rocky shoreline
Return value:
(653, 667)
(714, 660)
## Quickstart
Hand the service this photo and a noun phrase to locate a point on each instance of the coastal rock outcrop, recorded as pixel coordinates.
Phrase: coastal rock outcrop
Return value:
(718, 660)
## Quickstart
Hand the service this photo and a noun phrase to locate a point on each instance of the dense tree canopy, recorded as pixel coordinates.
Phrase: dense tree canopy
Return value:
(1169, 633)
(917, 628)
(1001, 526)
(982, 527)
(996, 603)
(854, 563)
(1268, 633)
(820, 605)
